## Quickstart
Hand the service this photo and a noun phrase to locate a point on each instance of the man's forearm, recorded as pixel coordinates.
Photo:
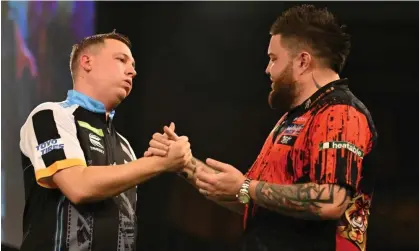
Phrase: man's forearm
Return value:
(307, 201)
(189, 174)
(95, 183)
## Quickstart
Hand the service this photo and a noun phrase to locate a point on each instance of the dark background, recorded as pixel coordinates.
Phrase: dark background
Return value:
(201, 65)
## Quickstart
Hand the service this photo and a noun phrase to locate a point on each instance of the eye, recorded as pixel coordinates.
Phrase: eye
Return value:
(122, 60)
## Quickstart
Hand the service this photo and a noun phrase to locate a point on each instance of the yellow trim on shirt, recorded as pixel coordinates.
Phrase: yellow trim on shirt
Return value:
(52, 169)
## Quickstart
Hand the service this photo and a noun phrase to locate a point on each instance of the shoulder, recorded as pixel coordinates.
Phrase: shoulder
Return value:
(59, 108)
(45, 106)
(344, 105)
(50, 112)
(343, 99)
(342, 121)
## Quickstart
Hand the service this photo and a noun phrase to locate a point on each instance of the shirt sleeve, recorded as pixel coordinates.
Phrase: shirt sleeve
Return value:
(340, 138)
(49, 140)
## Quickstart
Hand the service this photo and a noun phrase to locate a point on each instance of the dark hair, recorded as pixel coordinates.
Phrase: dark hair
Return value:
(98, 39)
(316, 28)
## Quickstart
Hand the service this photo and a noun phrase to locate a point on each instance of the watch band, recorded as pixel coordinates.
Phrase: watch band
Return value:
(245, 187)
(243, 196)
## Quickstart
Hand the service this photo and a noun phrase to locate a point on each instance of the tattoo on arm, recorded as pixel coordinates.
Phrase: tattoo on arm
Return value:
(195, 162)
(299, 200)
(190, 170)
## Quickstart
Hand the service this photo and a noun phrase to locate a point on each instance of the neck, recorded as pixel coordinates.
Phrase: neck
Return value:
(92, 92)
(312, 82)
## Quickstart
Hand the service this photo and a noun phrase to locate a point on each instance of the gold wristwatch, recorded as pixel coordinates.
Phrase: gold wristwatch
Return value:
(243, 196)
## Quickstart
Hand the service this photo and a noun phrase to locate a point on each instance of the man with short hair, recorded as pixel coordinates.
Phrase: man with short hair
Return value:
(80, 174)
(309, 188)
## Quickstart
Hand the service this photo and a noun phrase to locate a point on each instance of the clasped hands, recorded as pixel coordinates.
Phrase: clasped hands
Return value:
(218, 180)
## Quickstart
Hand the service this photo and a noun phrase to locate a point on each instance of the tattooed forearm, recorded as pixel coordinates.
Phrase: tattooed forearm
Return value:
(189, 171)
(307, 201)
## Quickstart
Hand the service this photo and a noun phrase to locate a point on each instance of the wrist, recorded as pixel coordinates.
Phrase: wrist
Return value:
(243, 195)
(186, 173)
(191, 167)
(162, 164)
(252, 188)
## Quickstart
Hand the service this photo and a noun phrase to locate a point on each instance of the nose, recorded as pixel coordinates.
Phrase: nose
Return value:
(131, 72)
(268, 68)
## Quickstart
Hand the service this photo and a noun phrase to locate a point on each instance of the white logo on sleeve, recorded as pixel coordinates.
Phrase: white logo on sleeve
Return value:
(342, 145)
(49, 145)
(95, 141)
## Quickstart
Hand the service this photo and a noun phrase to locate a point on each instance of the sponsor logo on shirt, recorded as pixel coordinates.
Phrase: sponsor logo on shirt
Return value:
(50, 145)
(342, 145)
(293, 129)
(96, 143)
(287, 140)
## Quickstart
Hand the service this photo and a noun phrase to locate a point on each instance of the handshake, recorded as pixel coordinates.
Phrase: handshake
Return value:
(213, 179)
(176, 150)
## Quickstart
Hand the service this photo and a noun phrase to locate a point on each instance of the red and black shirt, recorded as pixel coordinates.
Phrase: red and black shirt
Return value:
(325, 140)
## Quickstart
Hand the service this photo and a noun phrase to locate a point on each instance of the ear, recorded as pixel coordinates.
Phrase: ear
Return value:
(304, 61)
(86, 62)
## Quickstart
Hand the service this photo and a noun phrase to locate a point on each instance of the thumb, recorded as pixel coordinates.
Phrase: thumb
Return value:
(217, 165)
(172, 126)
(170, 133)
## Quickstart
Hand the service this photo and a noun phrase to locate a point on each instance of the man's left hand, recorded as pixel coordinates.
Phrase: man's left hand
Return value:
(226, 182)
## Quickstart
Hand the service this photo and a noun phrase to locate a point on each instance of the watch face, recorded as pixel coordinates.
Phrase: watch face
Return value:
(244, 198)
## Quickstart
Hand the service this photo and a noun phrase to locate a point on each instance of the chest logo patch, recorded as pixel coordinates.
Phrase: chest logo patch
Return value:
(287, 140)
(293, 129)
(96, 143)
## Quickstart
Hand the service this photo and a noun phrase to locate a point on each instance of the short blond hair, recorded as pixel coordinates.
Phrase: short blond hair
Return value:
(87, 42)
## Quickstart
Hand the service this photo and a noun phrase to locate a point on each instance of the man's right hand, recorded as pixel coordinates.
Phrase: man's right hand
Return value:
(160, 143)
(175, 149)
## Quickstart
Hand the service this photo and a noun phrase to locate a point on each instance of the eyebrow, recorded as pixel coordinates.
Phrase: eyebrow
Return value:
(126, 56)
(271, 54)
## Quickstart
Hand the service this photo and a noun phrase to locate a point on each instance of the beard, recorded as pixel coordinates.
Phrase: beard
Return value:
(284, 91)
